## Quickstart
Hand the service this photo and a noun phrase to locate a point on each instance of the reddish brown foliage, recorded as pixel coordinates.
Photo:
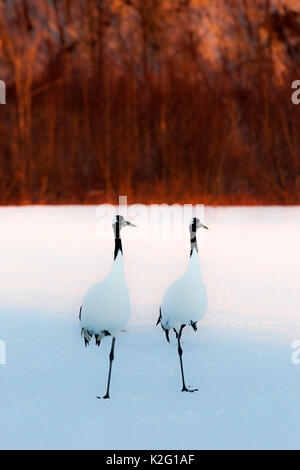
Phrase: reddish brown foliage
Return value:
(107, 99)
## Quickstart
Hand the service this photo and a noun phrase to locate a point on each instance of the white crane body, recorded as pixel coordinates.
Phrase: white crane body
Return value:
(185, 301)
(105, 307)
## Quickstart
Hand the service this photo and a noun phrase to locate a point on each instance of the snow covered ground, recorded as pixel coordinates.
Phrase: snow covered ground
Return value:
(240, 359)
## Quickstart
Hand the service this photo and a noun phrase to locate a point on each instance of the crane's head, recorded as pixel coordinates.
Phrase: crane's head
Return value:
(195, 224)
(119, 222)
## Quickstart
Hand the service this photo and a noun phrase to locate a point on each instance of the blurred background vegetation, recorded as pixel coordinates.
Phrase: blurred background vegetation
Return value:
(173, 101)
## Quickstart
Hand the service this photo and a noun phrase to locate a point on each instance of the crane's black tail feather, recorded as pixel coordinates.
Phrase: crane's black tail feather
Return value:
(166, 330)
(167, 334)
(98, 337)
(87, 336)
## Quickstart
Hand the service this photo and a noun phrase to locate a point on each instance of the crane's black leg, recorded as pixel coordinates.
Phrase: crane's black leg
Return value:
(184, 389)
(111, 358)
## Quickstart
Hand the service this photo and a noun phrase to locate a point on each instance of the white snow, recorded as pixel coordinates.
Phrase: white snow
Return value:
(240, 359)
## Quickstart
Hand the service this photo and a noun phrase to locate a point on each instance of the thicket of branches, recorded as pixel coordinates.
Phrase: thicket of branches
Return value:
(175, 101)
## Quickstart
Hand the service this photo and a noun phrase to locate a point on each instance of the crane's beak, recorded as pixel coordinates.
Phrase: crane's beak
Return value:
(130, 224)
(204, 226)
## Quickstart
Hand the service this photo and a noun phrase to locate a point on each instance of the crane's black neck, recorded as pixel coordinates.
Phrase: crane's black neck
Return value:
(118, 247)
(118, 241)
(193, 231)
